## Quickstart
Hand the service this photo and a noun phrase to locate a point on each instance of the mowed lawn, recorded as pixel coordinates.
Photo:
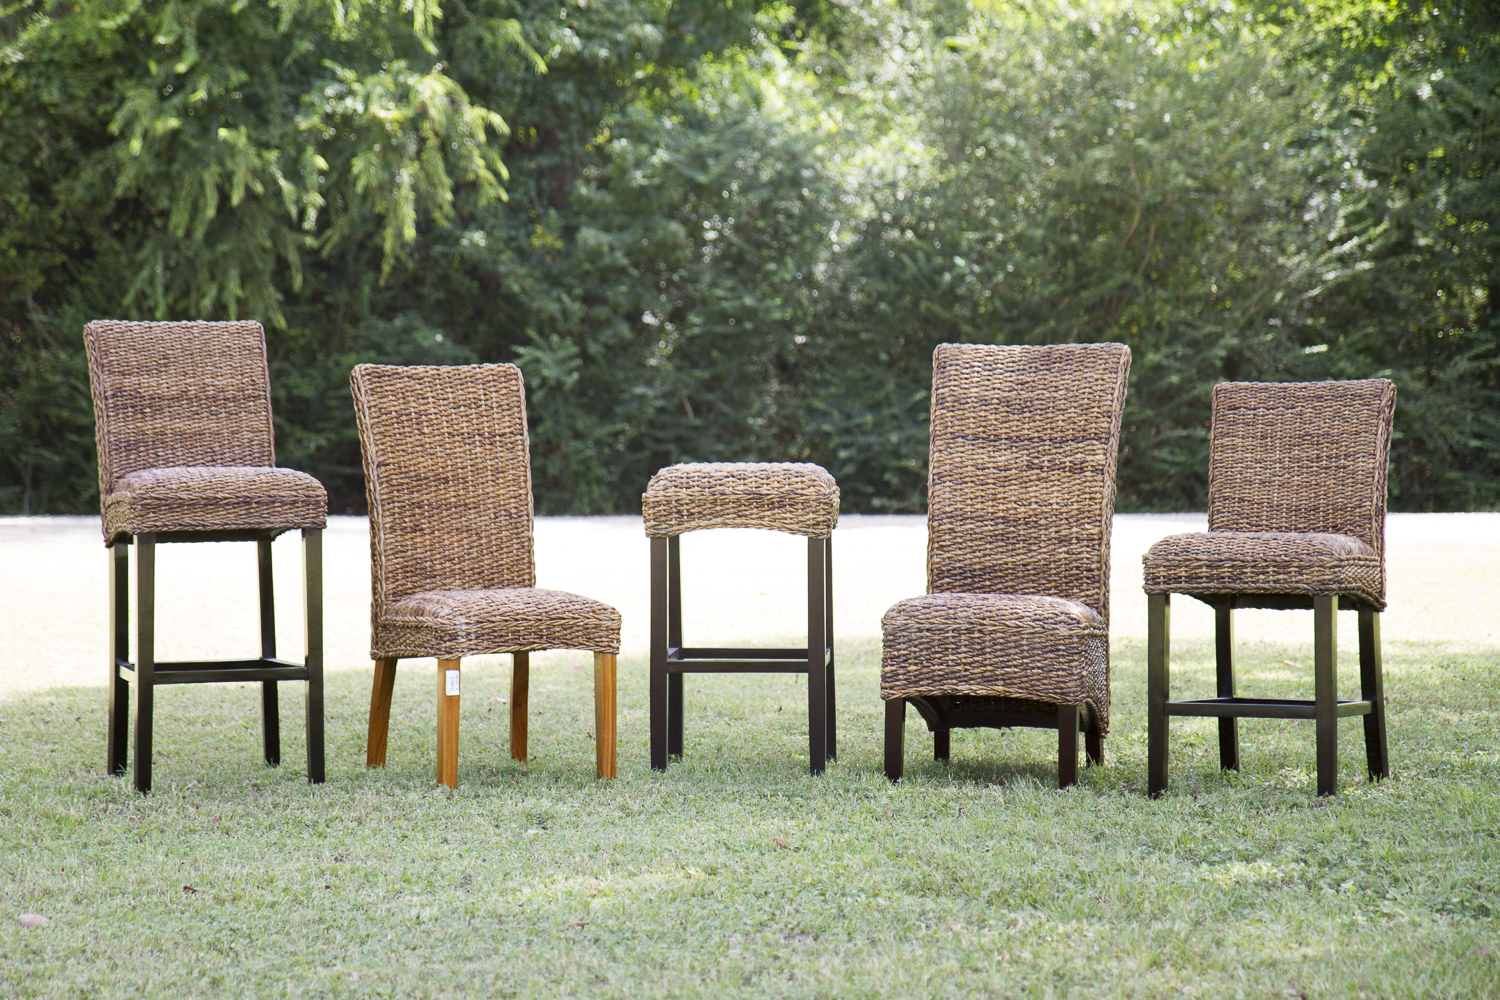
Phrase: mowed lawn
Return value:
(735, 872)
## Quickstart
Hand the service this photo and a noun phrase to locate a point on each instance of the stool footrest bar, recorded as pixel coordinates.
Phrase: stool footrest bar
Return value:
(1260, 708)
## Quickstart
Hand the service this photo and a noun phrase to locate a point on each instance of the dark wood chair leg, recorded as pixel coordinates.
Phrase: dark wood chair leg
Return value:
(1093, 746)
(895, 738)
(828, 637)
(312, 627)
(1229, 728)
(270, 708)
(380, 712)
(674, 641)
(520, 695)
(1372, 689)
(118, 742)
(941, 744)
(1326, 691)
(817, 652)
(1067, 745)
(145, 657)
(659, 654)
(1158, 684)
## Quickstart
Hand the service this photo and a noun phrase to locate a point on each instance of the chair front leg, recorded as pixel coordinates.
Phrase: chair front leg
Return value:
(604, 715)
(659, 654)
(312, 627)
(270, 707)
(448, 682)
(1372, 689)
(118, 746)
(380, 712)
(1229, 727)
(145, 656)
(895, 738)
(1158, 684)
(817, 663)
(520, 690)
(1326, 690)
(1067, 745)
(942, 744)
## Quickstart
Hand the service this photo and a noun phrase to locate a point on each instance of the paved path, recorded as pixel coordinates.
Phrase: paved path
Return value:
(741, 587)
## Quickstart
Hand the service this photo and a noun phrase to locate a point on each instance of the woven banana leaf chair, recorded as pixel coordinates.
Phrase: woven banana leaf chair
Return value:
(187, 453)
(448, 477)
(1296, 519)
(1014, 628)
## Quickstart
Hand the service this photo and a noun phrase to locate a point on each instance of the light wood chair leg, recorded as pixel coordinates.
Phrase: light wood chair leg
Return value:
(380, 712)
(604, 714)
(447, 722)
(520, 684)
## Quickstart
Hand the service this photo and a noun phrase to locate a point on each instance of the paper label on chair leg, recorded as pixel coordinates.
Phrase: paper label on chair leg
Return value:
(451, 680)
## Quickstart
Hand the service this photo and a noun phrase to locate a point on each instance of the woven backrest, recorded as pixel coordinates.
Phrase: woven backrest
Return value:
(448, 477)
(1021, 472)
(1301, 456)
(178, 394)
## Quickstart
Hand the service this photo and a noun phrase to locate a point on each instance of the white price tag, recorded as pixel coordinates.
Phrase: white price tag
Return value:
(451, 680)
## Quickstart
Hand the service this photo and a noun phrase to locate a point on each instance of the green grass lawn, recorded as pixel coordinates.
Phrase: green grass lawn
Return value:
(735, 873)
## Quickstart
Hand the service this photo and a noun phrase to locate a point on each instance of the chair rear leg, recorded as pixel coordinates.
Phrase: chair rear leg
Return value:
(145, 657)
(1067, 745)
(828, 685)
(1326, 691)
(448, 683)
(312, 627)
(942, 744)
(1229, 728)
(1372, 689)
(118, 745)
(1093, 745)
(674, 641)
(604, 715)
(817, 663)
(659, 625)
(520, 690)
(380, 712)
(1158, 685)
(895, 738)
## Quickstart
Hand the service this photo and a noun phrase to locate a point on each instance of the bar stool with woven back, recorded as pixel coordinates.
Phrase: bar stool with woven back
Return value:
(187, 454)
(448, 476)
(794, 497)
(1296, 519)
(1014, 628)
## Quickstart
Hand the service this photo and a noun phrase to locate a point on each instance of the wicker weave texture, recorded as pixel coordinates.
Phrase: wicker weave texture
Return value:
(214, 498)
(448, 478)
(455, 623)
(795, 497)
(173, 396)
(1021, 480)
(1041, 649)
(1264, 562)
(1297, 489)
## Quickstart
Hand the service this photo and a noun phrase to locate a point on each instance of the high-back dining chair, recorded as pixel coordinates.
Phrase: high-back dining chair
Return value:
(1296, 519)
(1014, 629)
(187, 453)
(448, 477)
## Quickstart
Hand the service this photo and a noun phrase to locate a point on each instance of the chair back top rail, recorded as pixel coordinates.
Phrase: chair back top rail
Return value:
(448, 478)
(1021, 471)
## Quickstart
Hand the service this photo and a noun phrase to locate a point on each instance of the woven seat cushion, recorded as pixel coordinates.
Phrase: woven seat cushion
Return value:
(458, 623)
(214, 498)
(795, 497)
(1045, 649)
(1264, 562)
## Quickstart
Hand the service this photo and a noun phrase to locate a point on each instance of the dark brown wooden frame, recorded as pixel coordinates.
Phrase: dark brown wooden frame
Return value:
(147, 673)
(942, 718)
(670, 659)
(1324, 708)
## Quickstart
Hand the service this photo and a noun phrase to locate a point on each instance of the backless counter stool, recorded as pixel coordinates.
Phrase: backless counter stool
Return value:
(796, 498)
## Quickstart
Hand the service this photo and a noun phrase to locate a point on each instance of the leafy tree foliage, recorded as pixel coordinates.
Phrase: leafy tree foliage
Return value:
(735, 231)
